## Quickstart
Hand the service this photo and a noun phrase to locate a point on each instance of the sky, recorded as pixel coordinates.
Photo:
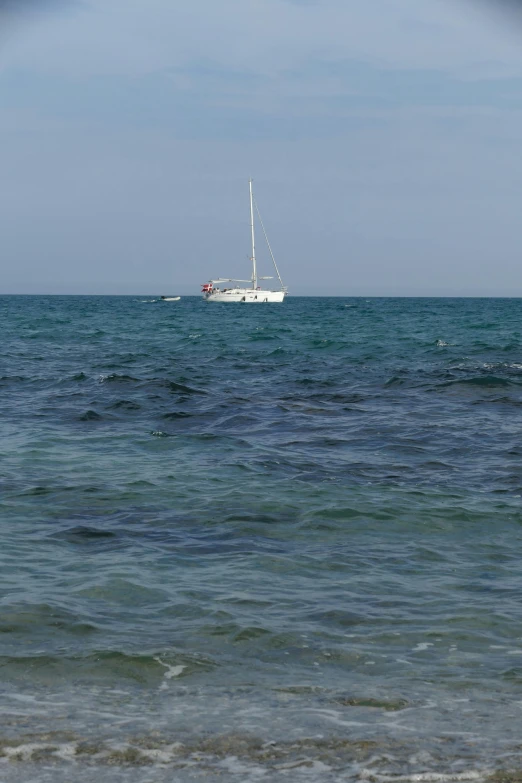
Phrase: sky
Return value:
(384, 138)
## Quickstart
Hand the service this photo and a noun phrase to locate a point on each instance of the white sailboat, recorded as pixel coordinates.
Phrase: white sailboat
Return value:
(253, 293)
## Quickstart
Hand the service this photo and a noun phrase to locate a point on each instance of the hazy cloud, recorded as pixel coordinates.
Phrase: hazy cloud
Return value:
(384, 137)
(265, 36)
(17, 8)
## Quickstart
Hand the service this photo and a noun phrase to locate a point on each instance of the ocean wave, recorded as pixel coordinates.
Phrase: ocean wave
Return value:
(244, 756)
(118, 378)
(487, 381)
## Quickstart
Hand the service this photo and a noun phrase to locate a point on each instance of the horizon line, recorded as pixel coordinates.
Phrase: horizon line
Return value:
(291, 296)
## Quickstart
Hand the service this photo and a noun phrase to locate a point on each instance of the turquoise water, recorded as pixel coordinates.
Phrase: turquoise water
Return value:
(276, 542)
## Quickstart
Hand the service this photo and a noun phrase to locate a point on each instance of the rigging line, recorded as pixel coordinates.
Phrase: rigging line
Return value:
(267, 242)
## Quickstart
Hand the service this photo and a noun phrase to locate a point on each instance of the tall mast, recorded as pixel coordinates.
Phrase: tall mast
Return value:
(254, 269)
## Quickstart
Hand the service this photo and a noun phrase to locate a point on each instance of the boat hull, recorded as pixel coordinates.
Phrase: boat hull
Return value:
(245, 295)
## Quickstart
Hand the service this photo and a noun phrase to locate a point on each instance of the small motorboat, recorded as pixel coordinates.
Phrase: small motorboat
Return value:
(170, 298)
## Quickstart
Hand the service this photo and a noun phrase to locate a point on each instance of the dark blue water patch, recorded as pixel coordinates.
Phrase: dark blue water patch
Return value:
(84, 535)
(489, 381)
(117, 378)
(396, 380)
(7, 380)
(125, 405)
(91, 415)
(179, 388)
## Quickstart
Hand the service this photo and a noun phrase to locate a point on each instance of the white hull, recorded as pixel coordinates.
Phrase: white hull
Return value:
(244, 295)
(170, 298)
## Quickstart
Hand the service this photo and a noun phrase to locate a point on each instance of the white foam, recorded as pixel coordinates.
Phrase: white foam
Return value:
(21, 697)
(305, 766)
(164, 756)
(333, 717)
(23, 752)
(426, 777)
(172, 671)
(234, 766)
(422, 646)
(67, 751)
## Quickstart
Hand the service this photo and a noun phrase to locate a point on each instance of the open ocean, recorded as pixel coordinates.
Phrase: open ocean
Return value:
(277, 543)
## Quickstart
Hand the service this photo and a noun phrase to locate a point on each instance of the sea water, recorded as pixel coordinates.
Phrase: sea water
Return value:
(279, 542)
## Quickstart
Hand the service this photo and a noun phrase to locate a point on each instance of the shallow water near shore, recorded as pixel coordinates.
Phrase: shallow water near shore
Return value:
(277, 542)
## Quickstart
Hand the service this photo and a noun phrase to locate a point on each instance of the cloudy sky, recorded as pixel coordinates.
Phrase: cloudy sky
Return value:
(384, 138)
